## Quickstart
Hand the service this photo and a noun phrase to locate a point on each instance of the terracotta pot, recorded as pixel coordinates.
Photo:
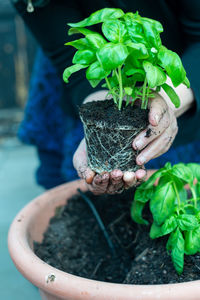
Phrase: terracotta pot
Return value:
(30, 224)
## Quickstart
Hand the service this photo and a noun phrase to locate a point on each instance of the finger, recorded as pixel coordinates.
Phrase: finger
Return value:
(158, 146)
(80, 163)
(116, 182)
(129, 179)
(100, 183)
(158, 107)
(140, 174)
(151, 133)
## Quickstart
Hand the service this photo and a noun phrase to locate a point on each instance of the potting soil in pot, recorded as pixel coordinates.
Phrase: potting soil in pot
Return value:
(109, 133)
(74, 243)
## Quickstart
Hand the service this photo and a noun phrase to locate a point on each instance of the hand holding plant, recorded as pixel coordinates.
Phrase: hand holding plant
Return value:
(175, 212)
(129, 60)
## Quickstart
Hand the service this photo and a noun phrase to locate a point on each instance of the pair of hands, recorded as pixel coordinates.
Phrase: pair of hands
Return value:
(162, 130)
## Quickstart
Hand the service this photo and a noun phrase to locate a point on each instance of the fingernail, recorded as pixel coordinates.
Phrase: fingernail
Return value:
(141, 160)
(139, 144)
(157, 119)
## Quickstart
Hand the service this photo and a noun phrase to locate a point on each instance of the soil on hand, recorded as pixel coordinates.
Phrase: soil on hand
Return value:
(74, 243)
(109, 134)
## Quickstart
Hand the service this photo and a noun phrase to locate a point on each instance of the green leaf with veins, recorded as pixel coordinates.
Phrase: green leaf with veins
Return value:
(155, 231)
(144, 195)
(162, 203)
(171, 62)
(138, 50)
(192, 241)
(95, 41)
(195, 169)
(155, 75)
(169, 225)
(136, 212)
(112, 55)
(177, 250)
(187, 222)
(115, 31)
(84, 57)
(171, 94)
(99, 16)
(72, 69)
(78, 30)
(95, 71)
(182, 172)
(80, 44)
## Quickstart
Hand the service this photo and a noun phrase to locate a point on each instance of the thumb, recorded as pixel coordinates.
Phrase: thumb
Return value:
(80, 163)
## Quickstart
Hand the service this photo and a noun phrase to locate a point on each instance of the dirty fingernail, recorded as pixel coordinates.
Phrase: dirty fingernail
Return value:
(138, 144)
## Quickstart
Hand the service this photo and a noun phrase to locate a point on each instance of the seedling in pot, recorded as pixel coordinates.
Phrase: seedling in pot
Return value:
(127, 55)
(175, 211)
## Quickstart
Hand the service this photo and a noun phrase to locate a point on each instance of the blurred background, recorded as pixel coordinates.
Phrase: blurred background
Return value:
(18, 162)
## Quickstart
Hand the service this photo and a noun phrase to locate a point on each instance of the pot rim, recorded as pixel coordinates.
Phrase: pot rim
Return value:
(75, 287)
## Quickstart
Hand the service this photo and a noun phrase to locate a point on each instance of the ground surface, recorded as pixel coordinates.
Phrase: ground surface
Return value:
(17, 188)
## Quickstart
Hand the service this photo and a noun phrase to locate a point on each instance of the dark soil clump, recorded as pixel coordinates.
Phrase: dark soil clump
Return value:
(106, 112)
(109, 134)
(74, 243)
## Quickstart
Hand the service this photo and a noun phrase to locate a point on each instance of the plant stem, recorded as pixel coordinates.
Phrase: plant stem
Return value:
(109, 86)
(146, 101)
(143, 106)
(120, 88)
(177, 195)
(194, 196)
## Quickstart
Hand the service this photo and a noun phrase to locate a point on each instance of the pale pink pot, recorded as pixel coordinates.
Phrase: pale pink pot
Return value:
(30, 224)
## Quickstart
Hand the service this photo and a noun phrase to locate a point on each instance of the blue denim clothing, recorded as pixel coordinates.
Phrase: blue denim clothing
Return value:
(56, 135)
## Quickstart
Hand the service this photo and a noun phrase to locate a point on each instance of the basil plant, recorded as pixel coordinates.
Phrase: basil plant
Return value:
(175, 211)
(128, 55)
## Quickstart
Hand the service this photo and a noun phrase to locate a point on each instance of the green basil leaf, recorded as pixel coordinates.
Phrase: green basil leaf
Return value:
(162, 203)
(80, 44)
(192, 241)
(135, 29)
(168, 166)
(84, 57)
(171, 62)
(144, 195)
(114, 30)
(138, 49)
(156, 24)
(151, 33)
(187, 222)
(112, 56)
(84, 31)
(171, 94)
(95, 40)
(136, 212)
(155, 75)
(155, 231)
(182, 172)
(70, 70)
(95, 71)
(99, 16)
(169, 225)
(195, 168)
(94, 82)
(132, 71)
(177, 251)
